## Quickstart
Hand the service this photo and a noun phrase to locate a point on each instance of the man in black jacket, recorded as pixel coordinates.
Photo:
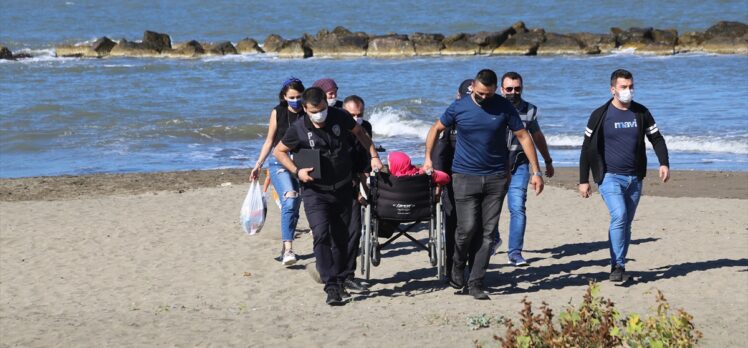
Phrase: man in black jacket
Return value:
(614, 150)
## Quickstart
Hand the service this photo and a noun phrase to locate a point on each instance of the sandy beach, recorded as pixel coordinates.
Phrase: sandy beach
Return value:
(161, 260)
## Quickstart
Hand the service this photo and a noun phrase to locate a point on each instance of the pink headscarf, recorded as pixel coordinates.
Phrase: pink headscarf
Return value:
(400, 166)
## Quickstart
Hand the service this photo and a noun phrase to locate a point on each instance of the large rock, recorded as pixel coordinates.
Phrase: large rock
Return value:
(595, 43)
(219, 48)
(459, 45)
(726, 38)
(427, 44)
(297, 48)
(273, 43)
(560, 44)
(248, 46)
(390, 46)
(189, 49)
(75, 51)
(488, 41)
(690, 42)
(340, 42)
(103, 46)
(5, 53)
(646, 40)
(158, 41)
(100, 48)
(133, 49)
(522, 43)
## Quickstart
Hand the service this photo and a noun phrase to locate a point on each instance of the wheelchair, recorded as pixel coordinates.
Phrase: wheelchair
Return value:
(402, 202)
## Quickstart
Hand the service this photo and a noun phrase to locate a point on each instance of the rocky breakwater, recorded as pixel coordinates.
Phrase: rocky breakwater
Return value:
(722, 38)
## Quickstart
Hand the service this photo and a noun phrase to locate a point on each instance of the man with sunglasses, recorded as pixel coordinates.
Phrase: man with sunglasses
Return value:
(480, 172)
(511, 89)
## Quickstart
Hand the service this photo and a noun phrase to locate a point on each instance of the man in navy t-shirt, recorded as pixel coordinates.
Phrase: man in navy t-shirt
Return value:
(480, 172)
(613, 149)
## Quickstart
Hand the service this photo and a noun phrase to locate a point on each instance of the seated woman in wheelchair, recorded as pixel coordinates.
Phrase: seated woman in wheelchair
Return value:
(400, 165)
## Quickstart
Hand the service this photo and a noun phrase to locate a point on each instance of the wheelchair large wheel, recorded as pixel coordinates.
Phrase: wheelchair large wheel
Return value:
(366, 250)
(432, 243)
(441, 254)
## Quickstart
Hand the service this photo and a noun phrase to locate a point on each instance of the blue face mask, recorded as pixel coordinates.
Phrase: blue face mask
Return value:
(295, 104)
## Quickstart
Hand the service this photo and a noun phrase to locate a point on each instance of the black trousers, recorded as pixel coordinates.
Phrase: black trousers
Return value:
(478, 201)
(329, 215)
(450, 224)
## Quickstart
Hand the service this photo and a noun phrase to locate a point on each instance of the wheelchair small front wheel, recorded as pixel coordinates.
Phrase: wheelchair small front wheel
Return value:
(376, 254)
(432, 253)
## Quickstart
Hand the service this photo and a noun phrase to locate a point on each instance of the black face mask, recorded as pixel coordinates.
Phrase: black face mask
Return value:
(480, 100)
(514, 98)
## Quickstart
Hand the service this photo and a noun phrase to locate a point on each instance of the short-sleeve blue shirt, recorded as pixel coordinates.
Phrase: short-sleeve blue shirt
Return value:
(481, 134)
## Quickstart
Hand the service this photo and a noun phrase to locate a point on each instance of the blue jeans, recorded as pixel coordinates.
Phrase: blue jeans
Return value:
(516, 198)
(621, 194)
(283, 182)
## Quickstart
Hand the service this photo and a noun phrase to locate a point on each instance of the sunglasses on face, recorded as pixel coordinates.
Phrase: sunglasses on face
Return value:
(512, 89)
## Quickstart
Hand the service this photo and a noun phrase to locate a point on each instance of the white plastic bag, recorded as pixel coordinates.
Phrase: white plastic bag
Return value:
(254, 209)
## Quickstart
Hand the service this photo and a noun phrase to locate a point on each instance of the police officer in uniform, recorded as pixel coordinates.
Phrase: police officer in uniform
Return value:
(327, 201)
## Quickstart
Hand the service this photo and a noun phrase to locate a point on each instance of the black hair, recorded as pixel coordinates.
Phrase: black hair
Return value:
(622, 74)
(512, 76)
(314, 96)
(354, 98)
(291, 83)
(487, 78)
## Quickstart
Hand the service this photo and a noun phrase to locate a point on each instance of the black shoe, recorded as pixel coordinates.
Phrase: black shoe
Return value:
(457, 278)
(478, 293)
(333, 297)
(345, 295)
(617, 274)
(351, 284)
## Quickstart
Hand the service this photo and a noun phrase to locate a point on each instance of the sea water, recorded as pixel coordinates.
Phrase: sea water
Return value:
(79, 116)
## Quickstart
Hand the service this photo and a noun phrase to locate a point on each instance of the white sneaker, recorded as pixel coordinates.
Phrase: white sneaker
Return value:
(289, 258)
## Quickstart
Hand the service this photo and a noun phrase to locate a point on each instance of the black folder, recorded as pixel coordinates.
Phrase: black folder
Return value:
(309, 158)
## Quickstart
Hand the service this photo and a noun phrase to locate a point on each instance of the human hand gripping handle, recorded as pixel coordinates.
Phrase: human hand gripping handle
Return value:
(376, 164)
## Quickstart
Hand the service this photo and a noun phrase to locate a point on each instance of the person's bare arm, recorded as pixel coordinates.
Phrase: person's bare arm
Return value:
(436, 129)
(542, 145)
(366, 142)
(265, 151)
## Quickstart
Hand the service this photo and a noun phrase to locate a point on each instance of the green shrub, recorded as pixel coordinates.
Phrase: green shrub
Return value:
(596, 323)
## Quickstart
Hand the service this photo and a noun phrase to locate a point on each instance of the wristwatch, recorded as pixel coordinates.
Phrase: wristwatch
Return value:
(540, 174)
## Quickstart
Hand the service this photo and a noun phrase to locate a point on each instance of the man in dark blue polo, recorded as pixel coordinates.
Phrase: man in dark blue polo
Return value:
(480, 172)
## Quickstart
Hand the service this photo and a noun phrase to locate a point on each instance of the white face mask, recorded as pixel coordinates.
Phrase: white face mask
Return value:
(626, 96)
(331, 102)
(318, 117)
(359, 120)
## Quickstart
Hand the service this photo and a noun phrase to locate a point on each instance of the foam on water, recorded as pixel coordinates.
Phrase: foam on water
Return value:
(388, 121)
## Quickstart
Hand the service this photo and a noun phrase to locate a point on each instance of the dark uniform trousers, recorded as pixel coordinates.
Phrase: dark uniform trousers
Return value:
(329, 215)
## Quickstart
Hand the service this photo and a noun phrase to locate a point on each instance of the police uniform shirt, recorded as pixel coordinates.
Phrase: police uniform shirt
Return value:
(333, 141)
